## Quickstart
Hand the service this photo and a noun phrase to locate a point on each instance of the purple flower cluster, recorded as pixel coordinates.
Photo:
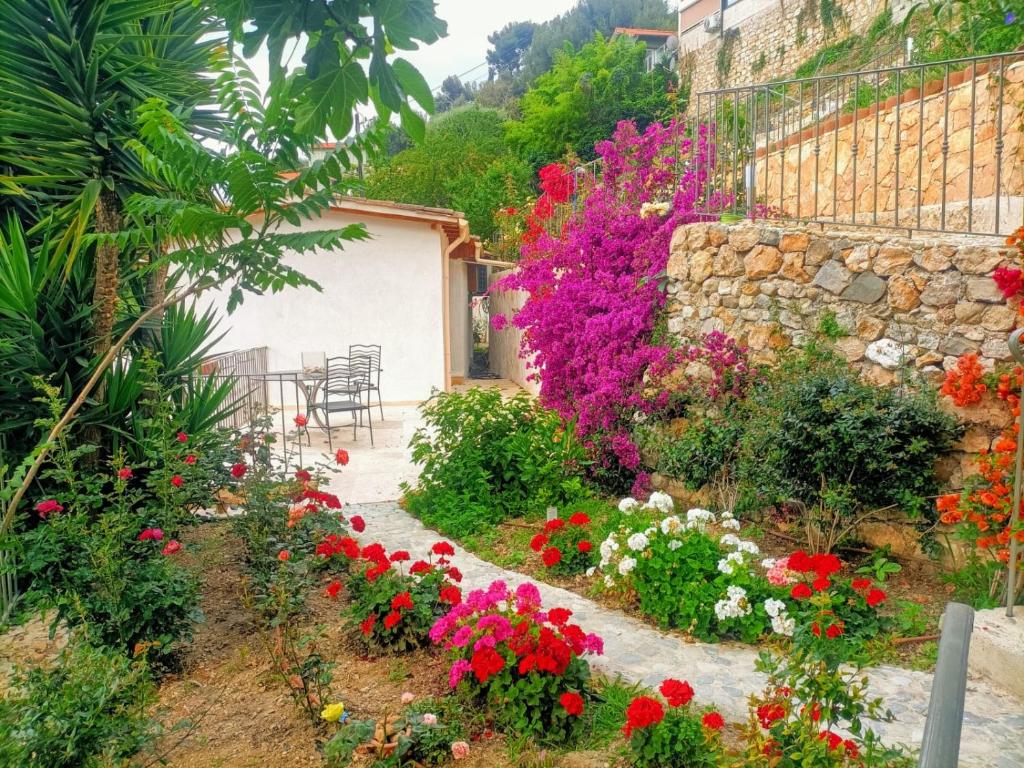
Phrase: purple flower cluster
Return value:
(593, 290)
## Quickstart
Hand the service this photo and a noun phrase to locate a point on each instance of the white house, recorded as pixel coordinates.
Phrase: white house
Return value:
(407, 288)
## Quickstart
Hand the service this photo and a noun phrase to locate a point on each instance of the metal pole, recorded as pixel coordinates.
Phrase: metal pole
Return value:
(1011, 572)
(940, 747)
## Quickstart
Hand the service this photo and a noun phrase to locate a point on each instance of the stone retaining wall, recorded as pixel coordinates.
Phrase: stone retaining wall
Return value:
(902, 302)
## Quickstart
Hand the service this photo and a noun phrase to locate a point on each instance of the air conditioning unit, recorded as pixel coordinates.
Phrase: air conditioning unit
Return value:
(713, 23)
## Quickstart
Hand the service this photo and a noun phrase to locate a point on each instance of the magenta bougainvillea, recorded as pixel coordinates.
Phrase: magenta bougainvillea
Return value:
(595, 289)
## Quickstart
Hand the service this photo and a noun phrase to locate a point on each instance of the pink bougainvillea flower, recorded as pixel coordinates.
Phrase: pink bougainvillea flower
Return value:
(172, 547)
(48, 507)
(499, 322)
(182, 437)
(125, 473)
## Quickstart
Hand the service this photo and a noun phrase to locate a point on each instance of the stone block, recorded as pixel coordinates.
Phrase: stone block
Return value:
(819, 251)
(903, 294)
(935, 259)
(892, 260)
(870, 328)
(941, 290)
(697, 237)
(858, 259)
(678, 267)
(887, 353)
(968, 311)
(851, 348)
(833, 277)
(727, 262)
(743, 237)
(984, 289)
(793, 267)
(762, 261)
(701, 266)
(867, 288)
(717, 234)
(794, 241)
(998, 318)
(997, 649)
(977, 260)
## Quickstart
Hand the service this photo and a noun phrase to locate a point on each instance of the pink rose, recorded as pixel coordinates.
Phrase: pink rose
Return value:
(460, 750)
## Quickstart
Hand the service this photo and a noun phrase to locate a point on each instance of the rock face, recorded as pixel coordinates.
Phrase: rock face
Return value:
(901, 302)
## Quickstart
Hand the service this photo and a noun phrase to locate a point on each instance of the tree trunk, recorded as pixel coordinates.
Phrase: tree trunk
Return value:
(104, 297)
(156, 292)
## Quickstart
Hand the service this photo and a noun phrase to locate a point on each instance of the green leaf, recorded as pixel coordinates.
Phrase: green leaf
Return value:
(413, 83)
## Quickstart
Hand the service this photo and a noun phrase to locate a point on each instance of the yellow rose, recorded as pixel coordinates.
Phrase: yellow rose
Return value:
(332, 712)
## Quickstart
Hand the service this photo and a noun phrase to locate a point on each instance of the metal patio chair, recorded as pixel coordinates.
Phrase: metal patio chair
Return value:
(342, 392)
(367, 357)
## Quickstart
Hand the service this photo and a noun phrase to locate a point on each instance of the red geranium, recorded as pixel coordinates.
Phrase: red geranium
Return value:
(301, 420)
(860, 584)
(713, 721)
(171, 547)
(366, 626)
(182, 437)
(333, 588)
(358, 524)
(769, 713)
(876, 597)
(800, 591)
(554, 525)
(559, 616)
(392, 619)
(572, 703)
(677, 693)
(451, 595)
(238, 470)
(284, 555)
(399, 556)
(537, 542)
(454, 574)
(401, 600)
(552, 556)
(125, 473)
(642, 712)
(486, 663)
(584, 546)
(443, 548)
(303, 475)
(420, 566)
(834, 631)
(151, 534)
(579, 518)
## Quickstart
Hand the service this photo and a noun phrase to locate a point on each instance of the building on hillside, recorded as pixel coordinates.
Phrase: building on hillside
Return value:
(408, 288)
(731, 43)
(662, 44)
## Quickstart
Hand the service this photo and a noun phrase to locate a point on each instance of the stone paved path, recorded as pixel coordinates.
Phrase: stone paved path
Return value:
(723, 675)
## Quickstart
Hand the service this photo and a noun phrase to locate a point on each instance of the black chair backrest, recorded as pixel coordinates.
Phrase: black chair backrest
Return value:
(343, 377)
(369, 352)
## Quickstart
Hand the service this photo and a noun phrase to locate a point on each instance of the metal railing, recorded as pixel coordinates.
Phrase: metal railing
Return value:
(929, 147)
(243, 368)
(940, 746)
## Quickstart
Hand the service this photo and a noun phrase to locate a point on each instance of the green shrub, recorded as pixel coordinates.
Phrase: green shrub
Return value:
(817, 434)
(486, 458)
(700, 453)
(89, 710)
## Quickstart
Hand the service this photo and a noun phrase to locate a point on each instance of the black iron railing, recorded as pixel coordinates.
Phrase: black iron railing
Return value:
(929, 146)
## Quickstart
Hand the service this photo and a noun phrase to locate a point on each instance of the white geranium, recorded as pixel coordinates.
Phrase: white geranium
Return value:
(768, 563)
(734, 606)
(774, 607)
(730, 523)
(660, 501)
(730, 563)
(626, 565)
(783, 625)
(638, 542)
(749, 547)
(699, 519)
(671, 524)
(729, 540)
(675, 544)
(628, 504)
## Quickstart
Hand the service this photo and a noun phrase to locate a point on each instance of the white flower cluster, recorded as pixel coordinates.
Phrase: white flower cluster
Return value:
(661, 502)
(734, 606)
(699, 519)
(727, 521)
(671, 525)
(638, 542)
(782, 622)
(730, 563)
(654, 209)
(628, 504)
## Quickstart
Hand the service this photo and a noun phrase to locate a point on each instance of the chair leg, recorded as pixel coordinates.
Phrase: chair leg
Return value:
(380, 403)
(327, 418)
(369, 420)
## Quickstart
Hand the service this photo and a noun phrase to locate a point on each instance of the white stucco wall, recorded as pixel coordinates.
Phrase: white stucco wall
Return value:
(386, 290)
(459, 318)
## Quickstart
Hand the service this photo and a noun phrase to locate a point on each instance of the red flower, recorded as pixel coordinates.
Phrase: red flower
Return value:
(769, 713)
(677, 693)
(556, 182)
(816, 629)
(341, 456)
(333, 588)
(713, 720)
(876, 597)
(451, 595)
(584, 546)
(486, 663)
(177, 481)
(303, 475)
(190, 459)
(171, 547)
(800, 591)
(366, 626)
(537, 542)
(238, 470)
(851, 748)
(182, 437)
(1010, 281)
(572, 703)
(399, 556)
(642, 712)
(579, 518)
(834, 739)
(860, 584)
(151, 534)
(401, 600)
(284, 555)
(821, 584)
(455, 574)
(358, 524)
(47, 507)
(552, 556)
(559, 616)
(391, 619)
(834, 631)
(420, 566)
(799, 561)
(443, 548)
(825, 565)
(125, 473)
(301, 420)
(554, 525)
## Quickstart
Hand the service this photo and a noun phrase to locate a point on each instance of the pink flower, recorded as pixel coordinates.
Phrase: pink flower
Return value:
(125, 473)
(48, 507)
(171, 547)
(182, 437)
(429, 718)
(408, 697)
(499, 322)
(151, 534)
(190, 459)
(460, 750)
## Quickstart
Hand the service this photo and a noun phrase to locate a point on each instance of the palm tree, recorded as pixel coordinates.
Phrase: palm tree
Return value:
(72, 76)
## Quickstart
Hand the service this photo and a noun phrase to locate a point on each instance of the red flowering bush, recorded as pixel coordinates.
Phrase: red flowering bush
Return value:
(394, 604)
(528, 663)
(565, 547)
(963, 384)
(676, 735)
